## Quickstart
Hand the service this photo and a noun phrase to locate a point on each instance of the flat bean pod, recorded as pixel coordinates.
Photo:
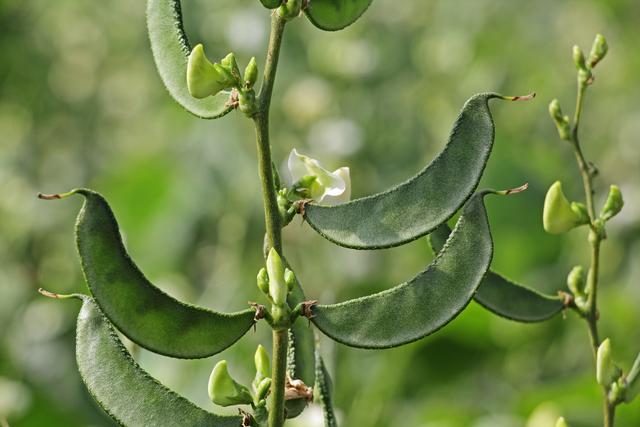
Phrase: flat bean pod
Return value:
(144, 313)
(171, 48)
(505, 297)
(424, 304)
(126, 392)
(333, 15)
(324, 392)
(417, 206)
(301, 354)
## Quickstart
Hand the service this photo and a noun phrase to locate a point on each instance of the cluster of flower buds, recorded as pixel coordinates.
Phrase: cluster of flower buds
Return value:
(620, 387)
(225, 391)
(205, 78)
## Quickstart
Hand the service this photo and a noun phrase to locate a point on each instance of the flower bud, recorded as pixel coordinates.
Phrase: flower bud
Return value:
(263, 281)
(613, 205)
(247, 102)
(271, 4)
(581, 212)
(230, 64)
(599, 50)
(575, 280)
(277, 285)
(578, 58)
(290, 9)
(251, 73)
(263, 368)
(558, 216)
(633, 381)
(202, 77)
(227, 78)
(289, 279)
(606, 371)
(561, 121)
(223, 390)
(262, 390)
(561, 422)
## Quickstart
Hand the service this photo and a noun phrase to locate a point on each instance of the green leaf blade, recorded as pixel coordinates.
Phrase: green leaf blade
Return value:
(334, 15)
(504, 297)
(417, 206)
(122, 388)
(415, 309)
(171, 48)
(144, 313)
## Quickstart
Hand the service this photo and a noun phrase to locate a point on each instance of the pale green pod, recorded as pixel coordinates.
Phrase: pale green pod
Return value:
(558, 217)
(561, 422)
(203, 79)
(224, 390)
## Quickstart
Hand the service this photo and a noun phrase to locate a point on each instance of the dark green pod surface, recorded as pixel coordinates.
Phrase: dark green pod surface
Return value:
(333, 15)
(171, 48)
(324, 390)
(504, 297)
(144, 313)
(426, 303)
(417, 206)
(122, 388)
(301, 354)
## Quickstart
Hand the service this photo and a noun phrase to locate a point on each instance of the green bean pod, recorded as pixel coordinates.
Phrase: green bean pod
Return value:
(145, 314)
(126, 392)
(324, 391)
(300, 356)
(503, 296)
(333, 15)
(417, 206)
(421, 306)
(171, 49)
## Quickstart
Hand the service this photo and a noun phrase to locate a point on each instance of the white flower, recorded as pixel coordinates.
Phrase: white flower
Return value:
(329, 188)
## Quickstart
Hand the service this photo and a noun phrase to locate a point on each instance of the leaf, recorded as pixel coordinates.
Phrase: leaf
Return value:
(426, 303)
(333, 15)
(324, 392)
(145, 314)
(504, 297)
(122, 388)
(417, 206)
(171, 48)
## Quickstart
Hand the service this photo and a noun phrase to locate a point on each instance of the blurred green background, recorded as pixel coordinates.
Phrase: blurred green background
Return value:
(82, 105)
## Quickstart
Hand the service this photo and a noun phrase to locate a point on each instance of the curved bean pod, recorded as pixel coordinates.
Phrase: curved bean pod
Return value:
(300, 357)
(171, 48)
(426, 303)
(324, 392)
(503, 296)
(145, 314)
(333, 15)
(417, 206)
(126, 392)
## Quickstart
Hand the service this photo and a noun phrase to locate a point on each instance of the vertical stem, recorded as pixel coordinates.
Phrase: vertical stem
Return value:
(591, 315)
(279, 369)
(273, 222)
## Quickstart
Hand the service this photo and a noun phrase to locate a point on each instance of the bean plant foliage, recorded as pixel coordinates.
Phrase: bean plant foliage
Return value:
(122, 299)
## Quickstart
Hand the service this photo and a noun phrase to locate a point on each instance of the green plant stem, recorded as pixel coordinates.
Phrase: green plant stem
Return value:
(273, 222)
(591, 315)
